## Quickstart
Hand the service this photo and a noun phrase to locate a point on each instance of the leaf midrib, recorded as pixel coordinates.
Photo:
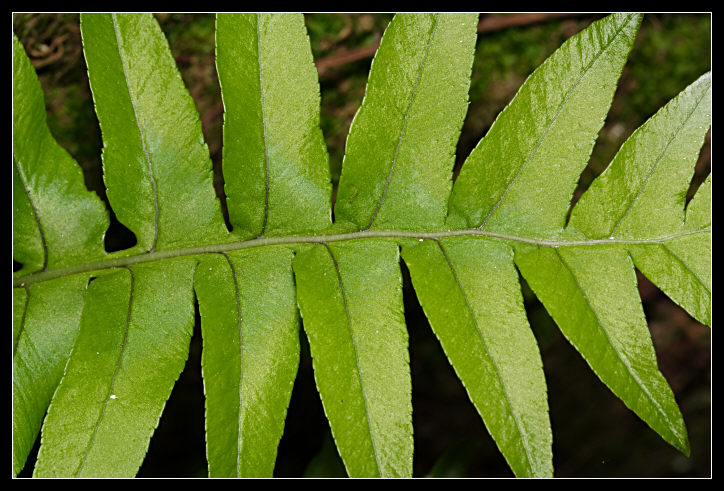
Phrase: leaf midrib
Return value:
(621, 356)
(264, 127)
(122, 352)
(239, 416)
(559, 110)
(26, 188)
(21, 330)
(116, 260)
(348, 319)
(523, 436)
(401, 138)
(660, 157)
(686, 266)
(142, 134)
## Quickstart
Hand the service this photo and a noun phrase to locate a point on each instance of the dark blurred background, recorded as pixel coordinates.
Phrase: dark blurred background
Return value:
(594, 434)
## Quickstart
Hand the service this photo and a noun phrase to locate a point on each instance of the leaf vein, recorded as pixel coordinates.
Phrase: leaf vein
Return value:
(22, 320)
(21, 174)
(241, 363)
(540, 141)
(264, 128)
(686, 266)
(656, 163)
(622, 357)
(404, 123)
(121, 261)
(91, 442)
(521, 433)
(356, 356)
(132, 97)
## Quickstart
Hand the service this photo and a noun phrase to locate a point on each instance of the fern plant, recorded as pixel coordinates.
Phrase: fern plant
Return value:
(100, 338)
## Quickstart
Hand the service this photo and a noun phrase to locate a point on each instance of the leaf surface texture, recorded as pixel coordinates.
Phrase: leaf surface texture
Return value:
(358, 341)
(100, 338)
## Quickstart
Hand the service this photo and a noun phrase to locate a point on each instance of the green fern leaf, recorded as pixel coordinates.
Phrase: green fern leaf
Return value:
(250, 356)
(100, 338)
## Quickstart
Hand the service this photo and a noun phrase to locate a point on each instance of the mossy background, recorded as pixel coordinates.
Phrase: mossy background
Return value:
(595, 435)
